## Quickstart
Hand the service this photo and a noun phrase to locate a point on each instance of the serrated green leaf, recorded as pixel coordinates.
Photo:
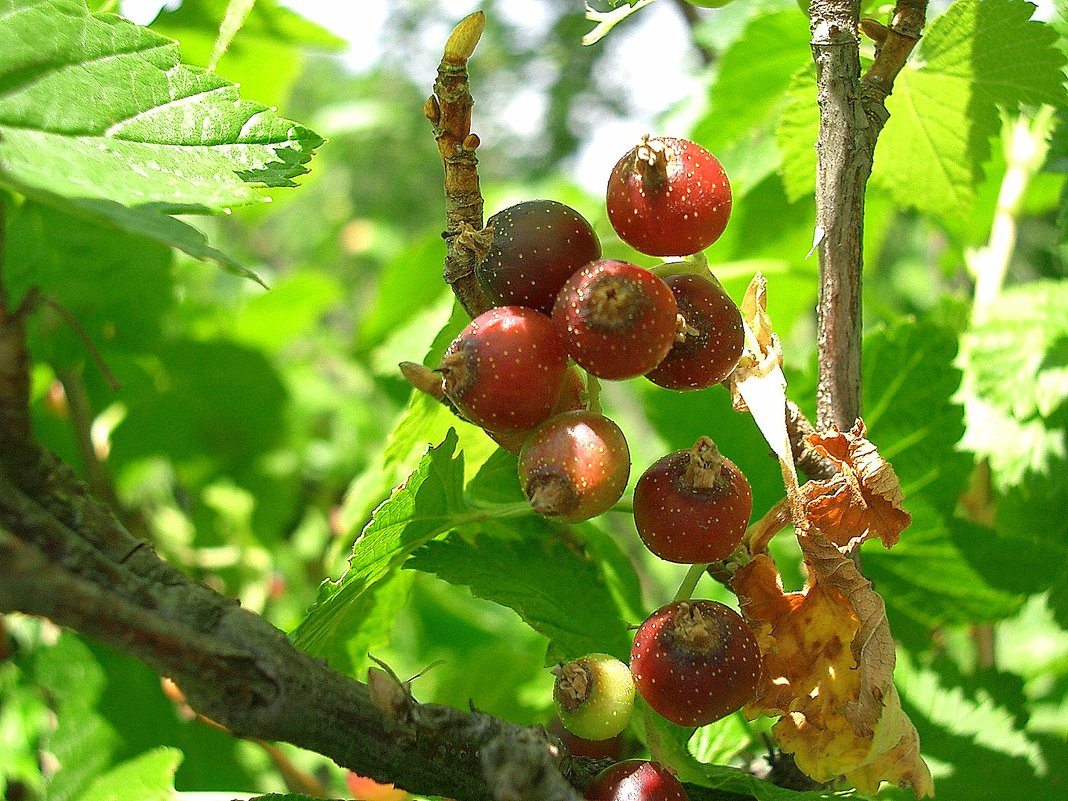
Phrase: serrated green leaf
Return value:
(927, 582)
(909, 382)
(671, 744)
(147, 777)
(265, 56)
(1016, 380)
(796, 134)
(747, 98)
(1017, 357)
(556, 590)
(978, 718)
(158, 139)
(430, 503)
(974, 58)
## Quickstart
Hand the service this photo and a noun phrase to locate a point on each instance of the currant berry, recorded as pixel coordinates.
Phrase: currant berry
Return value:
(611, 748)
(710, 341)
(572, 397)
(695, 662)
(617, 320)
(505, 369)
(668, 197)
(537, 245)
(692, 506)
(574, 466)
(636, 780)
(594, 696)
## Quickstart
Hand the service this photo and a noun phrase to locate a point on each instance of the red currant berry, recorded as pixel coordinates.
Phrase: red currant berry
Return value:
(611, 748)
(692, 506)
(668, 197)
(594, 696)
(708, 344)
(572, 397)
(636, 780)
(574, 466)
(505, 369)
(695, 662)
(617, 320)
(537, 245)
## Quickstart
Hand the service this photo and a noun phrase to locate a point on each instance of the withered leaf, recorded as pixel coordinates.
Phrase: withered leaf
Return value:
(863, 499)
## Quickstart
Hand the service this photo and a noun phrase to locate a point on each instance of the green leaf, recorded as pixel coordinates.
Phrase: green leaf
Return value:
(960, 717)
(796, 134)
(209, 406)
(747, 97)
(428, 504)
(927, 582)
(558, 591)
(265, 56)
(158, 139)
(909, 382)
(974, 58)
(147, 777)
(1016, 382)
(117, 286)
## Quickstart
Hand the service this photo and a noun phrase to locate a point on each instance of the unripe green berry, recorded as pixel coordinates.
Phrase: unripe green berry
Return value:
(594, 696)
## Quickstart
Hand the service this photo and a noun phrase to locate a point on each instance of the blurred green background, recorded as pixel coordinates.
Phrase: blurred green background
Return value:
(256, 431)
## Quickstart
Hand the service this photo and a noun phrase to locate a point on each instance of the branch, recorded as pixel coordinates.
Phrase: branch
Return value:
(449, 112)
(852, 115)
(236, 669)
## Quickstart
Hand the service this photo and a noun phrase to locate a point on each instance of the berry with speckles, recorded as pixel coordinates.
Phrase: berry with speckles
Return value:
(574, 466)
(537, 245)
(636, 780)
(668, 197)
(617, 320)
(695, 662)
(505, 370)
(709, 342)
(594, 696)
(573, 396)
(692, 506)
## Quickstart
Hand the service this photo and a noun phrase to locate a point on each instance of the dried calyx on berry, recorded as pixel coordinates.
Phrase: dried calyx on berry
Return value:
(594, 696)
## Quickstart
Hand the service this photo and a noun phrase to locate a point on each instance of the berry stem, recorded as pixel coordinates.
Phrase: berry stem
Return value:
(689, 584)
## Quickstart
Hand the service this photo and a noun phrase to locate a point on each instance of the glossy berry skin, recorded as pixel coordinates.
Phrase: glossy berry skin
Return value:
(636, 780)
(692, 506)
(617, 320)
(668, 197)
(572, 397)
(594, 696)
(710, 342)
(504, 371)
(537, 245)
(574, 466)
(695, 662)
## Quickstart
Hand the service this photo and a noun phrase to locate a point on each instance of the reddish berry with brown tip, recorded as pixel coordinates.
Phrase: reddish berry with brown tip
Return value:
(505, 369)
(709, 342)
(572, 397)
(695, 662)
(537, 245)
(636, 780)
(574, 466)
(668, 197)
(617, 320)
(692, 506)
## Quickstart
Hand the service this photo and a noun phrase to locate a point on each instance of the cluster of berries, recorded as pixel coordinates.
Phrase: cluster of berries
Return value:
(561, 312)
(557, 301)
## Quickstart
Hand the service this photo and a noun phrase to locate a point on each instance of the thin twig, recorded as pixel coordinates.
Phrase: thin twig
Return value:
(449, 112)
